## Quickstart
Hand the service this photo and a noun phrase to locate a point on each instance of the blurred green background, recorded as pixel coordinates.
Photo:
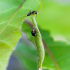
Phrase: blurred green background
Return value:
(54, 24)
(55, 17)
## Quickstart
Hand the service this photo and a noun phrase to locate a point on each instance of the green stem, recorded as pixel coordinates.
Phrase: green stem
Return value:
(39, 44)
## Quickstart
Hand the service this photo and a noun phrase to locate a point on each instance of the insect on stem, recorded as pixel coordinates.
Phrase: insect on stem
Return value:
(39, 44)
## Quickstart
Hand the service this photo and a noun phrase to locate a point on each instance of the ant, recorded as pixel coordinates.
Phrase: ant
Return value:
(33, 12)
(33, 32)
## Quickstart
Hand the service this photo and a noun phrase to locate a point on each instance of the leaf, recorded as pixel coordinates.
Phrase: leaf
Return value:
(59, 50)
(12, 14)
(26, 53)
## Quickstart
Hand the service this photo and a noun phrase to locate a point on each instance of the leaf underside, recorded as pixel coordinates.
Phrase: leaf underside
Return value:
(12, 14)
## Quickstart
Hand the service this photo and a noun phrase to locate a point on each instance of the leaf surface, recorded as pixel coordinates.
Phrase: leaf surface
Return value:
(12, 14)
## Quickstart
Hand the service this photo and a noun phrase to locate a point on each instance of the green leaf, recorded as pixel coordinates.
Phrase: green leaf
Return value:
(26, 53)
(59, 50)
(12, 14)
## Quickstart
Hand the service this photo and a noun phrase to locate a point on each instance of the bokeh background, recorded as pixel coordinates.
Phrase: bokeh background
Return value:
(55, 17)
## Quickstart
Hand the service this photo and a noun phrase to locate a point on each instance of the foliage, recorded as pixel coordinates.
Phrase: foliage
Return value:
(53, 21)
(12, 13)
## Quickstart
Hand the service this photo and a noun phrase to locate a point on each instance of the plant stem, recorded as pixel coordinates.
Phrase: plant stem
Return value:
(39, 44)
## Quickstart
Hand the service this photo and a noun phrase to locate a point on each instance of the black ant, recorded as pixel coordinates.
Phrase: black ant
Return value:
(33, 12)
(33, 32)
